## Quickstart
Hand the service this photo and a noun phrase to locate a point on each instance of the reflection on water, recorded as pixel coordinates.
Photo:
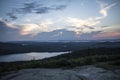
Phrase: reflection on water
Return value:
(28, 56)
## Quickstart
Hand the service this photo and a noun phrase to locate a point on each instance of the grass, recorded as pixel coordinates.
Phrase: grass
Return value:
(57, 63)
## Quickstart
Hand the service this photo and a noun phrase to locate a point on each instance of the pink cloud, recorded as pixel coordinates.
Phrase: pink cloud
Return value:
(107, 35)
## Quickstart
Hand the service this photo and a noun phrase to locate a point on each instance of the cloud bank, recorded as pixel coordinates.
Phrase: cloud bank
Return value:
(34, 7)
(81, 26)
(56, 29)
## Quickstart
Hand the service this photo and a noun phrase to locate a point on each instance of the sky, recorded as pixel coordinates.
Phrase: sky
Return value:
(49, 20)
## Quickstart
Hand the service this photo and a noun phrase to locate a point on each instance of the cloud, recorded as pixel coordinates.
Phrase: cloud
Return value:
(60, 7)
(106, 35)
(27, 20)
(21, 32)
(111, 28)
(28, 7)
(7, 31)
(86, 23)
(44, 32)
(82, 26)
(34, 29)
(8, 24)
(40, 9)
(58, 34)
(104, 9)
(64, 34)
(88, 36)
(112, 31)
(61, 34)
(45, 9)
(30, 29)
(12, 16)
(34, 7)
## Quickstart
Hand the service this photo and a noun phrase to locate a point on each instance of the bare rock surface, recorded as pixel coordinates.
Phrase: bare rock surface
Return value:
(78, 73)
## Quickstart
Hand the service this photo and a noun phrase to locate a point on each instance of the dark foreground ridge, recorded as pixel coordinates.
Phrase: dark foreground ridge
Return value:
(77, 73)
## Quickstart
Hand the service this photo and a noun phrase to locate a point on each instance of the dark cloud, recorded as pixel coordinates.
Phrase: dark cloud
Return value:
(43, 10)
(10, 34)
(66, 35)
(89, 36)
(90, 27)
(48, 36)
(34, 7)
(5, 31)
(27, 8)
(39, 8)
(106, 26)
(60, 7)
(12, 16)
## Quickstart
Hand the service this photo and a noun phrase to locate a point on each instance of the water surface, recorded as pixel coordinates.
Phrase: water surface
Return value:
(28, 56)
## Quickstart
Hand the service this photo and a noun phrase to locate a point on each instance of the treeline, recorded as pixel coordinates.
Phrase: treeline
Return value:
(11, 48)
(25, 47)
(90, 52)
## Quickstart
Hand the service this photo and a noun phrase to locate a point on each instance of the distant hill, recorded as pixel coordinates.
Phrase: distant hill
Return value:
(106, 44)
(29, 46)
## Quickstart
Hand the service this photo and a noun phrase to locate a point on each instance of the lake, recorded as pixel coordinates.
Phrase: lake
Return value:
(28, 56)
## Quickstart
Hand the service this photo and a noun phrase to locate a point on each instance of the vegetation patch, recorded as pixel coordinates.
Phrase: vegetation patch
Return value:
(109, 57)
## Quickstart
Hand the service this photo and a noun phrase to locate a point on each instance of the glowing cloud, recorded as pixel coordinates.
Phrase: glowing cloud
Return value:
(34, 29)
(30, 29)
(80, 26)
(109, 32)
(104, 9)
(107, 35)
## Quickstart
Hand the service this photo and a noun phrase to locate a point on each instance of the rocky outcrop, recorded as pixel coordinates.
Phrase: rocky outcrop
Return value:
(78, 73)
